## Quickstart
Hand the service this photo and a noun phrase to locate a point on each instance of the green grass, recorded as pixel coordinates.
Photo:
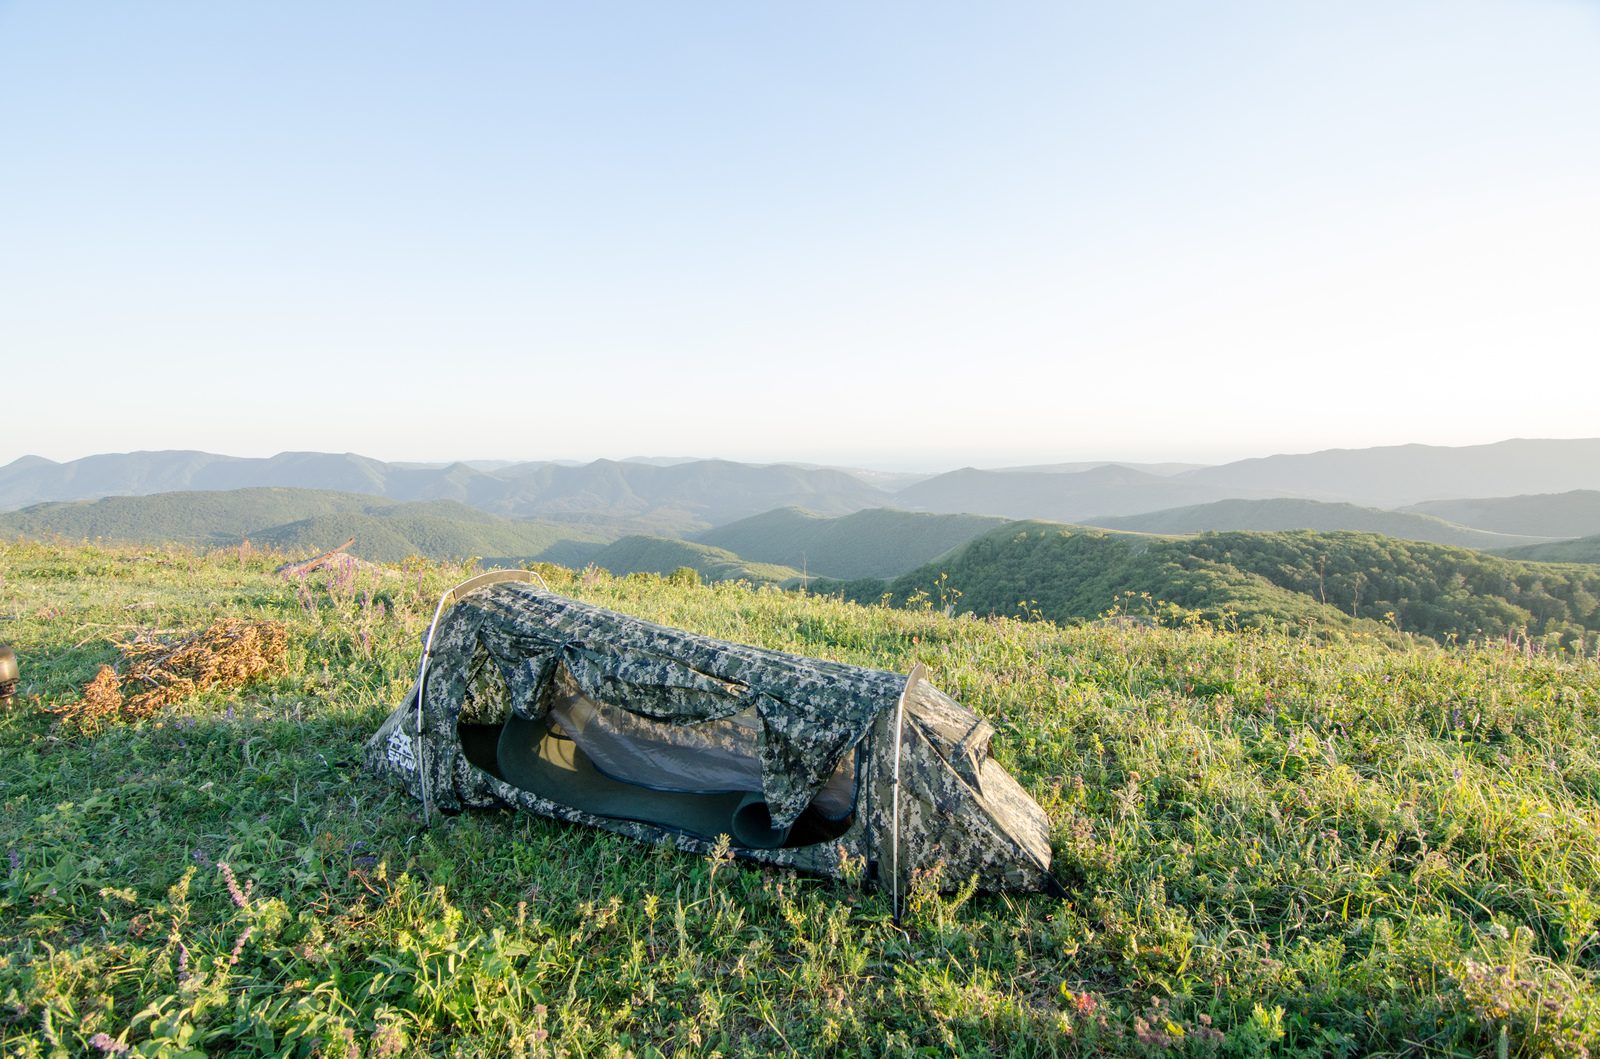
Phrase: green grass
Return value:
(1276, 845)
(873, 542)
(659, 555)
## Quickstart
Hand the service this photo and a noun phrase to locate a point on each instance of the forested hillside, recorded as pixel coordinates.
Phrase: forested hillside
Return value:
(1359, 582)
(876, 542)
(297, 520)
(644, 554)
(192, 516)
(390, 537)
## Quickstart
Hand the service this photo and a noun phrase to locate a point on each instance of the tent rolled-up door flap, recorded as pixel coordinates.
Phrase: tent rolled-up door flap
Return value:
(527, 699)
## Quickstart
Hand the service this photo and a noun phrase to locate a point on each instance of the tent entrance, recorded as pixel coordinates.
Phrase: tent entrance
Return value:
(703, 779)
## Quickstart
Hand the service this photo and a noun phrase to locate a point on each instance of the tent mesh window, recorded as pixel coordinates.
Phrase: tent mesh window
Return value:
(703, 778)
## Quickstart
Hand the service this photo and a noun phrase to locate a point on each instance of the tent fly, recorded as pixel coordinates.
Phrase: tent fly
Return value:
(527, 699)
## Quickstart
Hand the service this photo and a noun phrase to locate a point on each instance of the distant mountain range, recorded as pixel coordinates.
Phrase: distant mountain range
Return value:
(301, 521)
(661, 555)
(1397, 475)
(1286, 513)
(1582, 550)
(1070, 496)
(1571, 514)
(875, 542)
(690, 495)
(1387, 477)
(1535, 489)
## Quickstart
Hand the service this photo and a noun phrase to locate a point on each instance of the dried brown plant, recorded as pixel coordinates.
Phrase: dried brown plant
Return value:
(155, 674)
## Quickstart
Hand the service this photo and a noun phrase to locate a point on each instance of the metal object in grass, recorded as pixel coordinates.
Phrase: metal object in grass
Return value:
(10, 676)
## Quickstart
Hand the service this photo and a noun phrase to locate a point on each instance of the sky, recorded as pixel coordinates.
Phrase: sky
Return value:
(906, 236)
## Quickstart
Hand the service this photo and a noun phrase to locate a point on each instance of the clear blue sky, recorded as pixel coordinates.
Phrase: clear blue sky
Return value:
(911, 235)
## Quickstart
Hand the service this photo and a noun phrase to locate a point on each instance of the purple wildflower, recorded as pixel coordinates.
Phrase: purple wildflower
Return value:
(237, 894)
(200, 858)
(183, 961)
(107, 1045)
(230, 713)
(238, 946)
(16, 859)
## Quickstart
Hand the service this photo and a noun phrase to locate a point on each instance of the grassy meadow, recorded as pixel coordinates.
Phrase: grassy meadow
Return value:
(1276, 845)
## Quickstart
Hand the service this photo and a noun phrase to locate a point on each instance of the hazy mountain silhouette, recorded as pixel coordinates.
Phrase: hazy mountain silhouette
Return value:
(1290, 513)
(1057, 496)
(301, 520)
(1162, 469)
(875, 542)
(1582, 550)
(1397, 475)
(697, 494)
(685, 496)
(661, 555)
(1570, 514)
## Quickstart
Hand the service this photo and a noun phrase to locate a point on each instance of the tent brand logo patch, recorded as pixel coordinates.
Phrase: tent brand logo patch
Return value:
(400, 751)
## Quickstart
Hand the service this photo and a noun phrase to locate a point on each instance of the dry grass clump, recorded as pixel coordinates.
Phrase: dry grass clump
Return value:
(157, 674)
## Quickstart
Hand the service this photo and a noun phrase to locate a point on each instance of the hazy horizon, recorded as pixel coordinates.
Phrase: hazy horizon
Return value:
(910, 466)
(883, 235)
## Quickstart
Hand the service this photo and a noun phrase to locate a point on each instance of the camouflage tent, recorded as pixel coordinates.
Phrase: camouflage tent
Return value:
(531, 700)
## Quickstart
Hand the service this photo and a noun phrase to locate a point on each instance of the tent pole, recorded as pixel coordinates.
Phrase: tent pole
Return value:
(918, 673)
(469, 585)
(422, 688)
(894, 843)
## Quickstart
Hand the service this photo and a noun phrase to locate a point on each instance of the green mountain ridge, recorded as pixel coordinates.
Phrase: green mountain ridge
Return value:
(661, 555)
(706, 492)
(1280, 514)
(391, 538)
(1575, 513)
(1347, 581)
(1582, 550)
(192, 516)
(874, 542)
(298, 520)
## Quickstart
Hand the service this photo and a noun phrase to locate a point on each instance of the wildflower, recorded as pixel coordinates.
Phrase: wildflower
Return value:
(238, 895)
(238, 946)
(16, 859)
(388, 1042)
(107, 1045)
